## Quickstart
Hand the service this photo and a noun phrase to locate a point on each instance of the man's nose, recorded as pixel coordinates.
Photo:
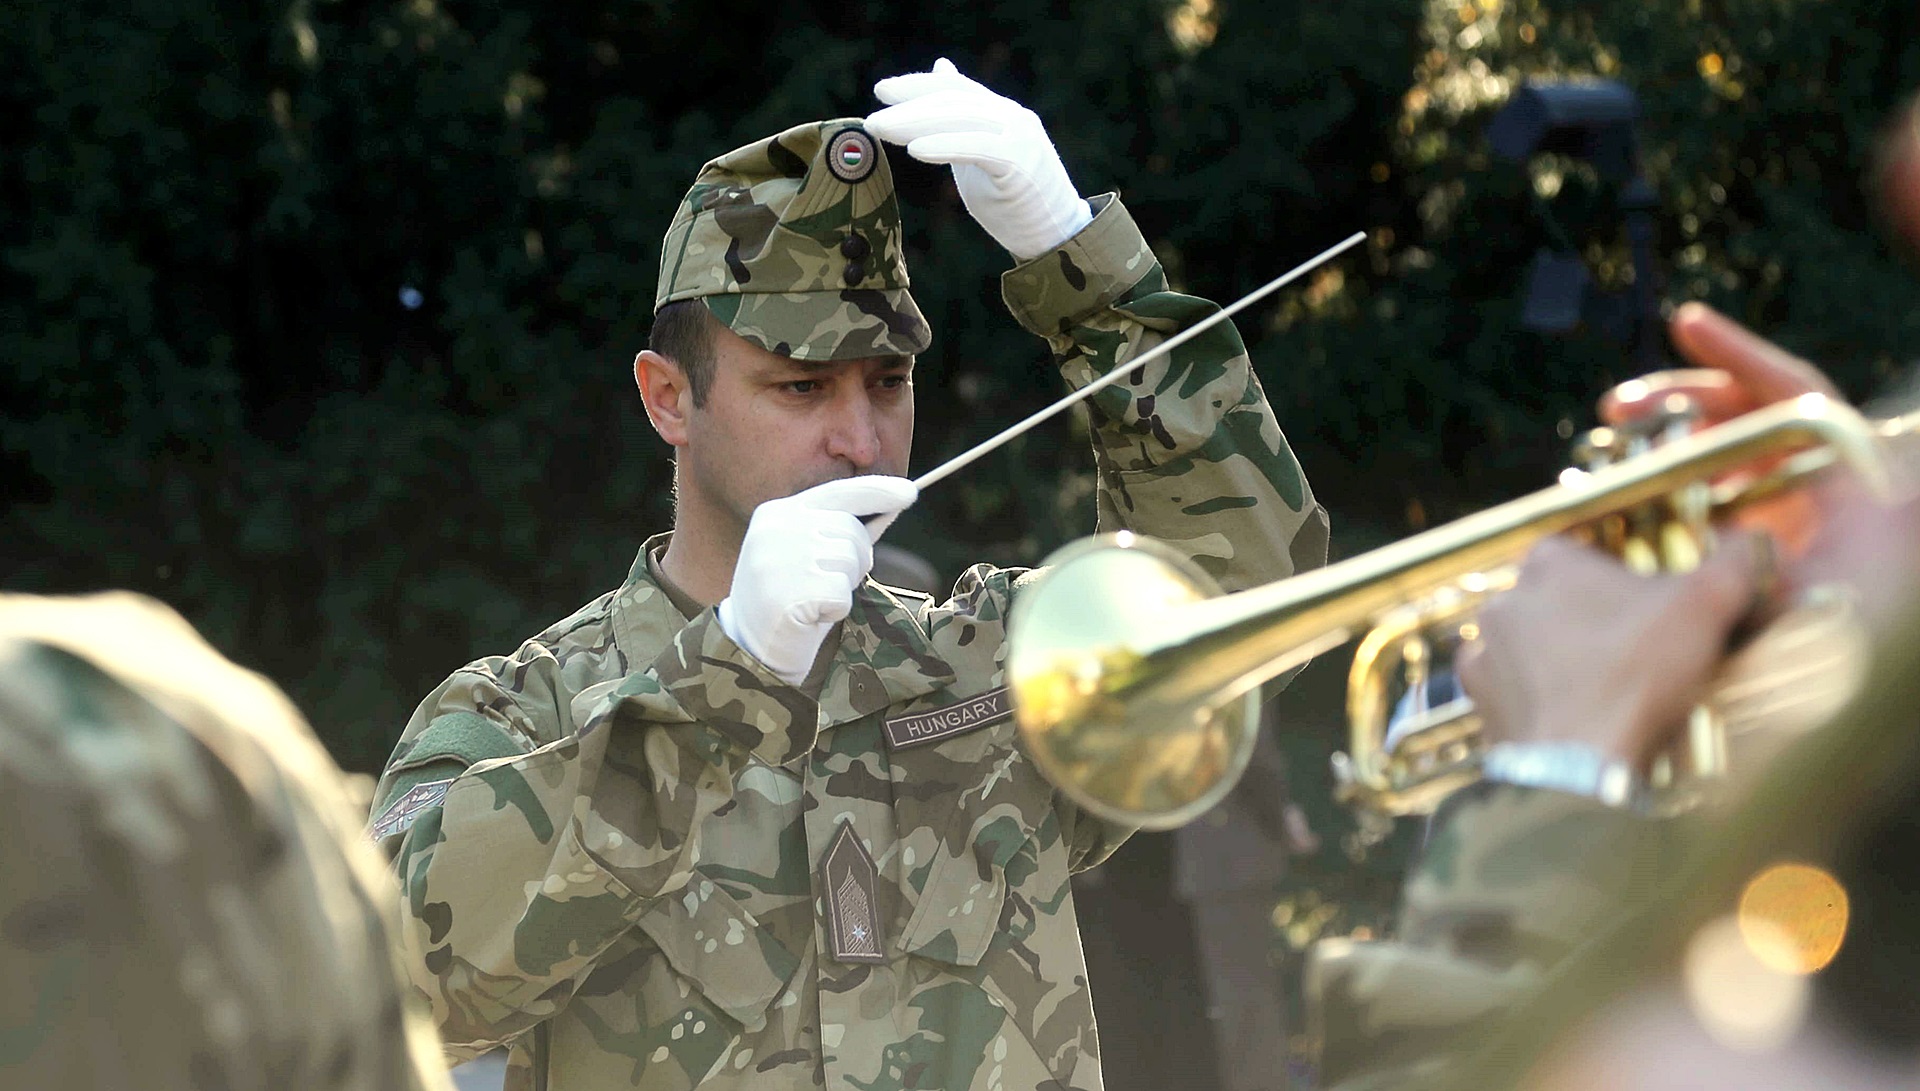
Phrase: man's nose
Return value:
(853, 434)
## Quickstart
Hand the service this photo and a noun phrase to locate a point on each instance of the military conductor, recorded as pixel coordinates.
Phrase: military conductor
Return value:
(751, 819)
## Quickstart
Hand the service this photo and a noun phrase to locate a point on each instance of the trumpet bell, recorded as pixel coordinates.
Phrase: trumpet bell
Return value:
(1085, 703)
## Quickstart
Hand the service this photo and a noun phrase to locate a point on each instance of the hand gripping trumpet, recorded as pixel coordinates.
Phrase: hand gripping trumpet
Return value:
(1136, 685)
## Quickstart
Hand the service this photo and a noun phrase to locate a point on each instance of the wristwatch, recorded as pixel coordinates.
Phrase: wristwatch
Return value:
(1567, 767)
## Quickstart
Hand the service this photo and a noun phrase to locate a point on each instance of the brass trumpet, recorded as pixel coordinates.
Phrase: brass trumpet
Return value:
(1136, 685)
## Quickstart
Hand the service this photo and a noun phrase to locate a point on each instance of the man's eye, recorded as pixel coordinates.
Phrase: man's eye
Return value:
(895, 382)
(802, 386)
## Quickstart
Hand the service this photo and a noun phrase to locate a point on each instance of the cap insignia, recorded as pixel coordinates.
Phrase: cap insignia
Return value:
(851, 155)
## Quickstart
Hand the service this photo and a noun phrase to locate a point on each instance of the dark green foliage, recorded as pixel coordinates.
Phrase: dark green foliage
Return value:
(213, 391)
(1758, 126)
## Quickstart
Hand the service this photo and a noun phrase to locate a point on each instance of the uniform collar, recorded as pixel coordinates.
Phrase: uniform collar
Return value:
(644, 616)
(884, 657)
(645, 622)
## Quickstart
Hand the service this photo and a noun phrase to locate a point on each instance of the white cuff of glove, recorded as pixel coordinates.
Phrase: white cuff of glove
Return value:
(1006, 169)
(800, 562)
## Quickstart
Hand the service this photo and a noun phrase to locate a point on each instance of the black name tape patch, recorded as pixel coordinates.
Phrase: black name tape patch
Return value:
(975, 712)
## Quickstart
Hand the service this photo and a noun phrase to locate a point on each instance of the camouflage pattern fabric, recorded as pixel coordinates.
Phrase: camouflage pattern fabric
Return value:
(635, 854)
(1512, 882)
(794, 243)
(188, 901)
(1841, 797)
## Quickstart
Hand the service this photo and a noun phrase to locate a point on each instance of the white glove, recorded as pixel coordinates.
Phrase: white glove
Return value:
(800, 562)
(1009, 176)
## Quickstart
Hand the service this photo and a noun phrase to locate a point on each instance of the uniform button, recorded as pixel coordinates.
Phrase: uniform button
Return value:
(855, 247)
(854, 273)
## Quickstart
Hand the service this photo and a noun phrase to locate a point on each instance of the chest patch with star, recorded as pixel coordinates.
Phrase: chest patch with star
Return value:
(849, 886)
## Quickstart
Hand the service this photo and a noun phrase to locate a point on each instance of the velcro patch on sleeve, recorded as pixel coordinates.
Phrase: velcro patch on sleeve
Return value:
(402, 812)
(971, 714)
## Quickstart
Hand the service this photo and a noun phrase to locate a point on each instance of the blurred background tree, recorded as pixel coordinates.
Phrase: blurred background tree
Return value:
(318, 316)
(319, 323)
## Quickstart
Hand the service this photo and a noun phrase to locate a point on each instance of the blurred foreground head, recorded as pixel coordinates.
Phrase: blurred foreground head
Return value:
(186, 897)
(1897, 174)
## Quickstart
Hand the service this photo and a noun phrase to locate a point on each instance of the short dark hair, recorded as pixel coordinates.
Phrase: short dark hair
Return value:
(683, 332)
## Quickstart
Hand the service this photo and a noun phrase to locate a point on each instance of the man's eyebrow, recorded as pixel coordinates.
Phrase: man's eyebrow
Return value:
(886, 363)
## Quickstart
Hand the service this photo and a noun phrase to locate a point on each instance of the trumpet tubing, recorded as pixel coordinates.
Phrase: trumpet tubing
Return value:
(1136, 686)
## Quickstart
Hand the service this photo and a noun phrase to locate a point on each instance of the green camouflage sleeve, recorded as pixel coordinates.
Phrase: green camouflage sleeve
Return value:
(519, 872)
(492, 708)
(1188, 451)
(1512, 880)
(188, 900)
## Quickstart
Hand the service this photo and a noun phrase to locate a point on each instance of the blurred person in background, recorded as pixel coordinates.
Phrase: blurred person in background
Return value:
(1228, 868)
(1180, 938)
(903, 568)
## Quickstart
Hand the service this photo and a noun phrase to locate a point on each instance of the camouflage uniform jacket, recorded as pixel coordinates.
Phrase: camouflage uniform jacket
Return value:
(186, 897)
(656, 849)
(1512, 881)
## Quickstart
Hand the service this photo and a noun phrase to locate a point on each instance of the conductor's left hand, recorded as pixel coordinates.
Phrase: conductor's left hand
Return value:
(1005, 167)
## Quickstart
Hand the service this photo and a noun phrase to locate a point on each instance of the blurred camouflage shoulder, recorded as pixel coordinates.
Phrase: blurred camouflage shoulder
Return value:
(189, 900)
(1512, 882)
(501, 706)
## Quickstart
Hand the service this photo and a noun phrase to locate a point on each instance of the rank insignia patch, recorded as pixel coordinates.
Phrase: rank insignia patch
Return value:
(849, 884)
(400, 814)
(975, 712)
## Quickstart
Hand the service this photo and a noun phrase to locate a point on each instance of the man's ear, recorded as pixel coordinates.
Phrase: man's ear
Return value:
(665, 392)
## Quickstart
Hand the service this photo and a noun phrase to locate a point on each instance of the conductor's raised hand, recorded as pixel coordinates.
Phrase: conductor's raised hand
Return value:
(800, 562)
(1006, 169)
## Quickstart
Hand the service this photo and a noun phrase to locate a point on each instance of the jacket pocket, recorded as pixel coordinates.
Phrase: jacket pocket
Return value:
(976, 803)
(712, 941)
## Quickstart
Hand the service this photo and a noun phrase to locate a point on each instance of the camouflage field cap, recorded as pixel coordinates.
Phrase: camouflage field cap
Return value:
(794, 243)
